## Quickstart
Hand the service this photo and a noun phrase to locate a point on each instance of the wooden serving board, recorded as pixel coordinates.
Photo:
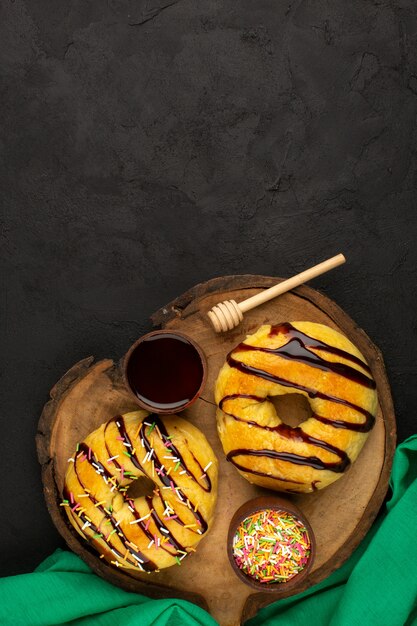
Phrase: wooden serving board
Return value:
(91, 393)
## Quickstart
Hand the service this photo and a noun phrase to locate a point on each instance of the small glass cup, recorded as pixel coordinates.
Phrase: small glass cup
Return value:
(165, 371)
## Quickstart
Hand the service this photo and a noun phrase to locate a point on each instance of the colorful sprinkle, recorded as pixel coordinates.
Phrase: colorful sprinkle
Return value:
(140, 519)
(271, 546)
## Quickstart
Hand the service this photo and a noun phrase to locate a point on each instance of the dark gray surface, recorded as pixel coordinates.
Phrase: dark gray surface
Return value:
(146, 149)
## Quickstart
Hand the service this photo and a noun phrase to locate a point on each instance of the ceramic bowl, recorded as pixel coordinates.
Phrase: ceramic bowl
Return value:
(275, 503)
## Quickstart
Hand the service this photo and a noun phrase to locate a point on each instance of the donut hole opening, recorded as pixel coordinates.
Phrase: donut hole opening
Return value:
(292, 408)
(143, 486)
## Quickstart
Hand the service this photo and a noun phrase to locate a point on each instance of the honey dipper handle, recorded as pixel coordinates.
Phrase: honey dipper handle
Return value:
(286, 285)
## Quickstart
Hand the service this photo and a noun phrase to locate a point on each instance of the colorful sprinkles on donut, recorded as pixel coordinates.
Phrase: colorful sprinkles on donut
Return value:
(271, 546)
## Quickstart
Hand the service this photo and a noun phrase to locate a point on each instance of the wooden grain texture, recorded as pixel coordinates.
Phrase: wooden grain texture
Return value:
(90, 393)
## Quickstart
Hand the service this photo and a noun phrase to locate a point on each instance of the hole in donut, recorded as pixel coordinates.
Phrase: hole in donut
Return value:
(292, 408)
(143, 486)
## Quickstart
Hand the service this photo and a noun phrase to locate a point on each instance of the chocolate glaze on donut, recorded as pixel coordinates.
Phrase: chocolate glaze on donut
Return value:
(297, 349)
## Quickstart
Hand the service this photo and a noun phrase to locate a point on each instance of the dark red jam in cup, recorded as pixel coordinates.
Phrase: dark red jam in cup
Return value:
(165, 371)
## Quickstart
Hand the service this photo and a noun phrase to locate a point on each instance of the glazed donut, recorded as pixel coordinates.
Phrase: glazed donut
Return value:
(298, 357)
(151, 532)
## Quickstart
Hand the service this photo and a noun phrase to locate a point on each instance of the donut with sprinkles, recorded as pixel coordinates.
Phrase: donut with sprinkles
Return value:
(153, 531)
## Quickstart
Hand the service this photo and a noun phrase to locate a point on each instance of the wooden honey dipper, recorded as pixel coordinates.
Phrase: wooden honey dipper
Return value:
(228, 314)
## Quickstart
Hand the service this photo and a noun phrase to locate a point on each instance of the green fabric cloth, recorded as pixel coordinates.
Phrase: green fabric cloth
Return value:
(63, 590)
(376, 586)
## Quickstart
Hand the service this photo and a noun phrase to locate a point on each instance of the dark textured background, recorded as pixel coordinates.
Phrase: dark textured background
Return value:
(148, 147)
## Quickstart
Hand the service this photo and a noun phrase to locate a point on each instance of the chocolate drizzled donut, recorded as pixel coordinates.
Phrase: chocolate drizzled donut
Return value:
(152, 531)
(328, 370)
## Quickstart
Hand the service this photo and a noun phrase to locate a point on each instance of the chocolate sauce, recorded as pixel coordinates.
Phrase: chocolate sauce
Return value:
(165, 372)
(162, 528)
(120, 423)
(242, 468)
(298, 434)
(240, 395)
(115, 462)
(165, 438)
(312, 461)
(365, 427)
(297, 349)
(94, 462)
(312, 393)
(311, 342)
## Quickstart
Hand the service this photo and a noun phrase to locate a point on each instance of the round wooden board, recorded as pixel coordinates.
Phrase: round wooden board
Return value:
(91, 393)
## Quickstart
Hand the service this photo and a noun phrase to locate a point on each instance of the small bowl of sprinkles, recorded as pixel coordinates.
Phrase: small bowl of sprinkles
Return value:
(271, 545)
